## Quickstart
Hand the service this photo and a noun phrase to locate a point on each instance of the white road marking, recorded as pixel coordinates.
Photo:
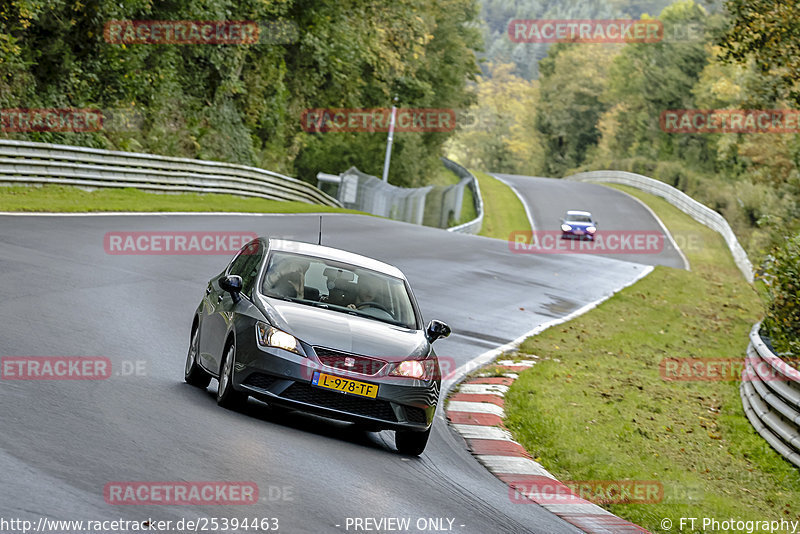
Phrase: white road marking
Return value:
(528, 212)
(149, 213)
(489, 355)
(483, 432)
(513, 465)
(663, 228)
(521, 363)
(476, 407)
(483, 389)
(583, 508)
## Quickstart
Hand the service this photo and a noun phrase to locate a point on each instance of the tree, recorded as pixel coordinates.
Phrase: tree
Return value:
(782, 321)
(243, 103)
(767, 31)
(497, 133)
(573, 79)
(647, 79)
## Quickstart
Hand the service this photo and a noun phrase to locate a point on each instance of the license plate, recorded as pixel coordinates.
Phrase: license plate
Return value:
(345, 385)
(578, 232)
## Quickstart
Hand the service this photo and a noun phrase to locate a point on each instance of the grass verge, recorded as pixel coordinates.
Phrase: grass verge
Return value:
(503, 213)
(56, 198)
(595, 407)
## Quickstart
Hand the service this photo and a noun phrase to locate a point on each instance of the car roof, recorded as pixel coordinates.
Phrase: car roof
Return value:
(577, 212)
(330, 253)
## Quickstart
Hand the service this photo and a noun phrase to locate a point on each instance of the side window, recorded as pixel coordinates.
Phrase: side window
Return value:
(237, 266)
(247, 263)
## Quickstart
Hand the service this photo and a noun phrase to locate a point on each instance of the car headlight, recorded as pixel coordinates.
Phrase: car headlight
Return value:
(591, 229)
(269, 336)
(422, 369)
(565, 228)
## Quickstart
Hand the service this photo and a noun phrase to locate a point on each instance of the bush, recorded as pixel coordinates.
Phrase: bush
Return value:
(782, 276)
(643, 166)
(672, 173)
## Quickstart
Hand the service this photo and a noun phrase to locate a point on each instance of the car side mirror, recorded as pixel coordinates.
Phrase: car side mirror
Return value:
(231, 283)
(436, 329)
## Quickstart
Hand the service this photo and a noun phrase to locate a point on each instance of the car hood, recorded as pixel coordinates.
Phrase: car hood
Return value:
(578, 224)
(345, 332)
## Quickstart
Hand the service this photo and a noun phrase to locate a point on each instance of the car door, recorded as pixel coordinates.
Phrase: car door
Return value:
(219, 307)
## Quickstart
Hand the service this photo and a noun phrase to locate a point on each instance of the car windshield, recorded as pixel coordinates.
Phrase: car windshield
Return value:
(339, 287)
(572, 217)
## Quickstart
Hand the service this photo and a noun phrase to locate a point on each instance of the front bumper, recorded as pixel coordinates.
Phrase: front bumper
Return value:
(283, 378)
(577, 233)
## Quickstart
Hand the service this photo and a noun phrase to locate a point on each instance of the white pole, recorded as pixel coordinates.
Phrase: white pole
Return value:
(389, 146)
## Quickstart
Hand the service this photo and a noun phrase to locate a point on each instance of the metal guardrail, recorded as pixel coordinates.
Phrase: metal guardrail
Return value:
(364, 192)
(699, 212)
(770, 387)
(473, 226)
(770, 392)
(24, 162)
(433, 206)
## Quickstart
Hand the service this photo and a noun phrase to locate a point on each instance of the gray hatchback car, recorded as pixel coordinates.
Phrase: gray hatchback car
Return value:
(321, 330)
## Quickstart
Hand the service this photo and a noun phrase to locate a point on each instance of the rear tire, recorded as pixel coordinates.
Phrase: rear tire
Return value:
(193, 374)
(411, 443)
(227, 397)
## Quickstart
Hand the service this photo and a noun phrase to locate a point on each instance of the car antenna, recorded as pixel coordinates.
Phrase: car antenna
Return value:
(319, 239)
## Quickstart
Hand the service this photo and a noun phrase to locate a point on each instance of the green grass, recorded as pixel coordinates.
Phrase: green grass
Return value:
(596, 408)
(443, 178)
(468, 211)
(503, 213)
(55, 198)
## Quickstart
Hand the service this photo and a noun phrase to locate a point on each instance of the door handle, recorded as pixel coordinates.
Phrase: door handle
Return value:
(208, 290)
(219, 299)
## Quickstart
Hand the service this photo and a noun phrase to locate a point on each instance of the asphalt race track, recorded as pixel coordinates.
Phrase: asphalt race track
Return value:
(63, 441)
(549, 198)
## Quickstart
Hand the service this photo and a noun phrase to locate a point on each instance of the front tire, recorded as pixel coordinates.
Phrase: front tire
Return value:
(193, 374)
(411, 443)
(227, 397)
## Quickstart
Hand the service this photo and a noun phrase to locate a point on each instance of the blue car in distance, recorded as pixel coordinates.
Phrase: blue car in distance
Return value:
(578, 224)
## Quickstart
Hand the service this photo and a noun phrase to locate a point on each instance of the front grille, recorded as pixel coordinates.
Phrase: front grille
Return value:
(416, 415)
(339, 360)
(260, 380)
(377, 409)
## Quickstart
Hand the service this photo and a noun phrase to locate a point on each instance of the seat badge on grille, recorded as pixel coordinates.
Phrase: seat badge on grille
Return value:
(349, 362)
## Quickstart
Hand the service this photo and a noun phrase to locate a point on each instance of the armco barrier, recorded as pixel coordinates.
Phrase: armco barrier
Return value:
(770, 388)
(699, 212)
(24, 162)
(770, 392)
(431, 205)
(364, 192)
